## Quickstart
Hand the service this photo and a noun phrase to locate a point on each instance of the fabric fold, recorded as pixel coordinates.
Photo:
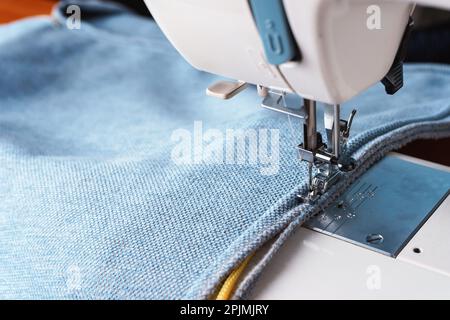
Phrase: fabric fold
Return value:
(120, 179)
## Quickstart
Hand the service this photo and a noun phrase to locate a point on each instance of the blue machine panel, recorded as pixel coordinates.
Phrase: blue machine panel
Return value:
(274, 30)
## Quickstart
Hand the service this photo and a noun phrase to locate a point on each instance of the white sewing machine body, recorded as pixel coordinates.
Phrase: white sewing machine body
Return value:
(340, 55)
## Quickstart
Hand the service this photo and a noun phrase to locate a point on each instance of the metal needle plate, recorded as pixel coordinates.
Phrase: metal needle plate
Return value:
(385, 208)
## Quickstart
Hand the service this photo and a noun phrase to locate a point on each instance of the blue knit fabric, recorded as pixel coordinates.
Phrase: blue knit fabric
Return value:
(92, 204)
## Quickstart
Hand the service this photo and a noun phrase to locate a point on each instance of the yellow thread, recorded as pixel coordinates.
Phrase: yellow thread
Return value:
(229, 285)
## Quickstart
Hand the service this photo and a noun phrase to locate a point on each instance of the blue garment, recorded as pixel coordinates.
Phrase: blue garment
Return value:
(92, 205)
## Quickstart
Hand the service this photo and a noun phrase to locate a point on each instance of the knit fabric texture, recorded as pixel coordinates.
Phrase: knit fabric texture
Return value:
(96, 201)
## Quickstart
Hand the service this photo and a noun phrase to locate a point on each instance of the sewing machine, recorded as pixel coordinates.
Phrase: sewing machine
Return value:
(323, 51)
(293, 49)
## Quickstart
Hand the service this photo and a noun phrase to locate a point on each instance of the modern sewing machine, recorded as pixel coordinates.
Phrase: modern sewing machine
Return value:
(325, 51)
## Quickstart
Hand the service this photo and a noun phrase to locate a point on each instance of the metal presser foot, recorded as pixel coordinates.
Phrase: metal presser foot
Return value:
(323, 157)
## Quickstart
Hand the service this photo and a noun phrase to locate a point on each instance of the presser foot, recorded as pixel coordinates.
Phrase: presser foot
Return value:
(323, 156)
(327, 175)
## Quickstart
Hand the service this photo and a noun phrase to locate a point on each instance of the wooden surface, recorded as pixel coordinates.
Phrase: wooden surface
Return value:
(11, 10)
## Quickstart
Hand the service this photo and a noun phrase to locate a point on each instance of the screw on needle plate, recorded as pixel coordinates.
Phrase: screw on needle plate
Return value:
(374, 238)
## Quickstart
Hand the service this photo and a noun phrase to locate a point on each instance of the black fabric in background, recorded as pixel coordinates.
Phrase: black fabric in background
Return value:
(137, 5)
(430, 45)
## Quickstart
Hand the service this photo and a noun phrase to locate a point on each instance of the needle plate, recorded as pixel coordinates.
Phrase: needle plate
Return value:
(385, 208)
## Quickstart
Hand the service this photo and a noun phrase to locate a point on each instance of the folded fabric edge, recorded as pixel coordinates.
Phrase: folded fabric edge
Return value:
(383, 145)
(291, 214)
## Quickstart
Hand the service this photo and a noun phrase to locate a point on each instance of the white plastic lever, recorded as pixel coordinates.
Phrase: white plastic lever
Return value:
(226, 89)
